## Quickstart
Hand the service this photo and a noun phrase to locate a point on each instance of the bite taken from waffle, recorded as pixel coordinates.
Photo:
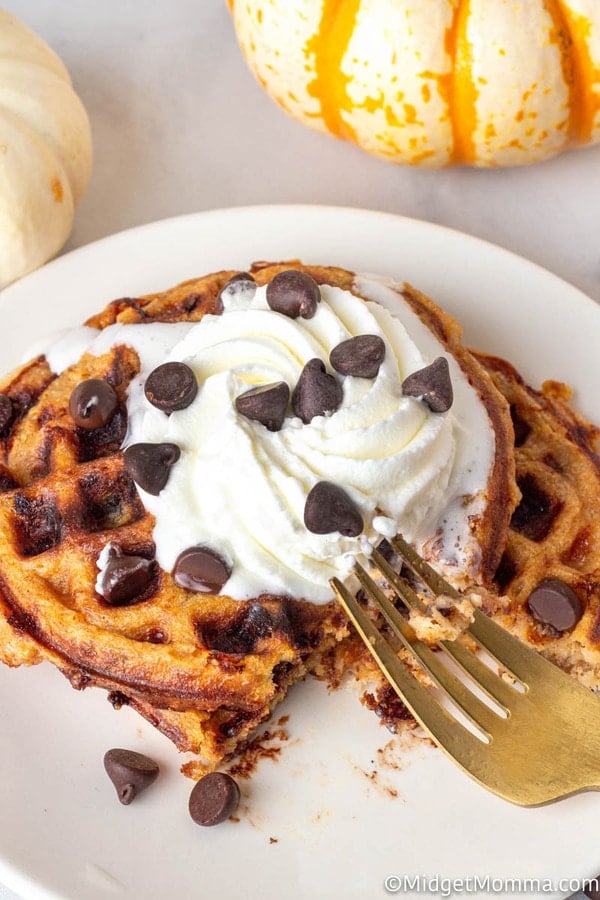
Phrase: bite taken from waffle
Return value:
(182, 476)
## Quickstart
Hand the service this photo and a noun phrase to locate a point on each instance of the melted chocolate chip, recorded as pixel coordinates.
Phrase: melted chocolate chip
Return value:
(432, 384)
(93, 403)
(125, 578)
(240, 635)
(554, 603)
(149, 464)
(360, 356)
(130, 772)
(294, 294)
(171, 387)
(201, 569)
(328, 508)
(537, 510)
(265, 404)
(214, 798)
(316, 393)
(6, 411)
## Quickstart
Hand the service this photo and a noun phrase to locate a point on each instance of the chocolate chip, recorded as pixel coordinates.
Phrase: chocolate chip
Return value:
(171, 386)
(241, 285)
(124, 578)
(93, 403)
(149, 464)
(294, 294)
(214, 798)
(328, 508)
(130, 772)
(200, 569)
(316, 393)
(360, 356)
(554, 603)
(6, 411)
(266, 404)
(537, 511)
(432, 384)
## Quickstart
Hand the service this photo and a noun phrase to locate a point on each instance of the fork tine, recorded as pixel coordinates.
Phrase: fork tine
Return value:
(491, 636)
(432, 579)
(409, 597)
(447, 733)
(488, 681)
(510, 653)
(476, 711)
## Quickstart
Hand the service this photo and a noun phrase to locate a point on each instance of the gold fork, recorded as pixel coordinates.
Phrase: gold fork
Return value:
(545, 742)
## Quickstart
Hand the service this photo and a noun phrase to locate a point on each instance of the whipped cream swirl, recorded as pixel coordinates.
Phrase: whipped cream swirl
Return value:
(240, 489)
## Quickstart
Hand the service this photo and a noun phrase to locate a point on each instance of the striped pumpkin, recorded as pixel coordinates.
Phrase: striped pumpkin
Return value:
(45, 150)
(433, 82)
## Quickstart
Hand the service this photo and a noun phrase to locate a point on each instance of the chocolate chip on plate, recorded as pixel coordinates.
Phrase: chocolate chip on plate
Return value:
(294, 294)
(6, 411)
(124, 577)
(201, 569)
(171, 387)
(554, 603)
(214, 799)
(432, 384)
(316, 393)
(93, 403)
(360, 356)
(130, 772)
(266, 404)
(149, 464)
(328, 508)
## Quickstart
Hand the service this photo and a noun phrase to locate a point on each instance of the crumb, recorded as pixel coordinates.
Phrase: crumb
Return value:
(273, 840)
(283, 720)
(444, 618)
(374, 777)
(260, 747)
(386, 704)
(234, 818)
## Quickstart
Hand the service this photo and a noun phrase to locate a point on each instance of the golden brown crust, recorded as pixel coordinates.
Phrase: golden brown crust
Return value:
(555, 530)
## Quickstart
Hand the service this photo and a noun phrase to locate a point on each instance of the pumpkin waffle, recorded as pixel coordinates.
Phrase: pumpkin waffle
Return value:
(203, 668)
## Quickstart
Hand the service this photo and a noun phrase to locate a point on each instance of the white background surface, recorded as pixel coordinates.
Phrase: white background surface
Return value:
(180, 125)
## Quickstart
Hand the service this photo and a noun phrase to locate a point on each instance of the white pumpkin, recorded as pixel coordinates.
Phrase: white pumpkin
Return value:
(433, 82)
(45, 150)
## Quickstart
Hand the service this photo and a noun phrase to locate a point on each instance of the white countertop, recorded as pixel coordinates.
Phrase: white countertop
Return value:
(180, 125)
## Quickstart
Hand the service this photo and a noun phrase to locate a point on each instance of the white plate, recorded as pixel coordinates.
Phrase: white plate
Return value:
(340, 830)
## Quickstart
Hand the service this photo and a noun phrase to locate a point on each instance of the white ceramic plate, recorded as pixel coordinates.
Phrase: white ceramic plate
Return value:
(346, 805)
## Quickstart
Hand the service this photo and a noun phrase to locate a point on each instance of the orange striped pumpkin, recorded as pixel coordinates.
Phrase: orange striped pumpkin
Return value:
(433, 82)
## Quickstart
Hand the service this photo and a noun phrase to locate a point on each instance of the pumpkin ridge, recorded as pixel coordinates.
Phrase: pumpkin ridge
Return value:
(586, 73)
(580, 113)
(328, 46)
(461, 91)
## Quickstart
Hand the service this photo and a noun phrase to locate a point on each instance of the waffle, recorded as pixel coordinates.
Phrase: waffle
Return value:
(204, 669)
(555, 529)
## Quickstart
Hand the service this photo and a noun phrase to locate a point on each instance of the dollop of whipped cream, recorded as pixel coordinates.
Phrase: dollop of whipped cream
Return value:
(240, 489)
